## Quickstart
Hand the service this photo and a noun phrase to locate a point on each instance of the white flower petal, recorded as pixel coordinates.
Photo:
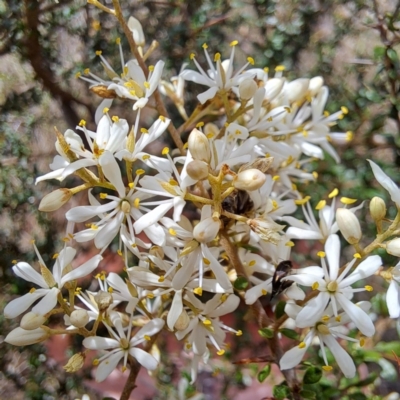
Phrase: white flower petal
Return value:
(145, 359)
(83, 270)
(175, 309)
(386, 182)
(367, 268)
(109, 231)
(392, 299)
(100, 343)
(312, 311)
(108, 365)
(112, 172)
(26, 272)
(228, 306)
(332, 250)
(19, 305)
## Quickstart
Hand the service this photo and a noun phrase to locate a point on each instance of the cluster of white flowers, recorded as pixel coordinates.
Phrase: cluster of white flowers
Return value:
(175, 219)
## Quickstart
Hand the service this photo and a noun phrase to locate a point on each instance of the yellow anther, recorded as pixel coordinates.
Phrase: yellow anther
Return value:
(327, 113)
(145, 157)
(338, 318)
(301, 202)
(119, 251)
(95, 362)
(103, 196)
(188, 346)
(357, 255)
(315, 174)
(162, 118)
(94, 227)
(110, 290)
(334, 193)
(86, 71)
(327, 368)
(14, 261)
(266, 70)
(321, 254)
(123, 369)
(78, 75)
(279, 68)
(224, 297)
(55, 255)
(140, 171)
(115, 118)
(344, 110)
(98, 53)
(288, 109)
(321, 204)
(349, 136)
(362, 342)
(192, 55)
(132, 92)
(221, 352)
(264, 292)
(147, 337)
(136, 202)
(151, 68)
(347, 200)
(209, 135)
(146, 85)
(233, 43)
(205, 46)
(250, 60)
(325, 318)
(131, 185)
(200, 124)
(198, 291)
(118, 40)
(134, 245)
(161, 278)
(304, 133)
(252, 263)
(144, 130)
(106, 110)
(368, 288)
(150, 295)
(206, 322)
(217, 56)
(172, 231)
(315, 286)
(32, 290)
(276, 178)
(173, 182)
(289, 243)
(274, 204)
(165, 151)
(239, 333)
(302, 345)
(82, 122)
(206, 261)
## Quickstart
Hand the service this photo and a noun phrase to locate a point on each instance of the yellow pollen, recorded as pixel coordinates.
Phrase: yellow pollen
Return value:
(192, 55)
(357, 255)
(86, 71)
(276, 178)
(289, 243)
(103, 196)
(132, 92)
(321, 254)
(123, 369)
(237, 132)
(162, 118)
(106, 110)
(338, 318)
(95, 362)
(55, 255)
(233, 43)
(188, 346)
(362, 342)
(224, 297)
(239, 333)
(206, 261)
(136, 202)
(115, 118)
(221, 352)
(82, 122)
(302, 345)
(288, 109)
(340, 116)
(205, 46)
(200, 124)
(150, 295)
(325, 318)
(134, 245)
(198, 291)
(118, 40)
(315, 286)
(304, 133)
(344, 110)
(368, 288)
(140, 171)
(146, 157)
(321, 204)
(119, 251)
(131, 185)
(217, 57)
(14, 261)
(147, 337)
(32, 290)
(274, 204)
(207, 322)
(250, 60)
(349, 136)
(327, 368)
(334, 193)
(78, 75)
(252, 262)
(146, 85)
(326, 113)
(94, 227)
(173, 182)
(151, 68)
(347, 200)
(144, 130)
(110, 290)
(165, 151)
(209, 135)
(266, 70)
(98, 53)
(264, 292)
(161, 278)
(301, 202)
(322, 328)
(172, 231)
(279, 68)
(315, 174)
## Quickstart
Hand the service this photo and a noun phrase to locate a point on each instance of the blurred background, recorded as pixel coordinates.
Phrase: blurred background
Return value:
(353, 45)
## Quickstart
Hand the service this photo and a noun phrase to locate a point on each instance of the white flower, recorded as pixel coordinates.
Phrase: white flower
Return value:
(336, 289)
(393, 293)
(50, 283)
(121, 345)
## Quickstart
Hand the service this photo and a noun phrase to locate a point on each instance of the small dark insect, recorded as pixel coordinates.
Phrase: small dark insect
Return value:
(238, 202)
(278, 285)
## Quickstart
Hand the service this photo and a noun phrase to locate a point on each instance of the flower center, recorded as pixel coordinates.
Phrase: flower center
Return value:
(124, 343)
(125, 206)
(322, 328)
(332, 286)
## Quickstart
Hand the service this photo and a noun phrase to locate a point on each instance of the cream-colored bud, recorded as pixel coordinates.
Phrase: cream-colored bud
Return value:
(297, 89)
(199, 146)
(137, 31)
(182, 322)
(103, 300)
(22, 337)
(79, 318)
(247, 88)
(348, 225)
(54, 200)
(250, 179)
(32, 320)
(393, 247)
(272, 88)
(315, 85)
(197, 170)
(206, 231)
(75, 363)
(377, 208)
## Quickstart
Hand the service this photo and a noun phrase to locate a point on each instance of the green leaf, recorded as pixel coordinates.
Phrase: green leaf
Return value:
(241, 283)
(266, 333)
(330, 393)
(312, 375)
(280, 309)
(357, 396)
(308, 394)
(281, 392)
(379, 52)
(263, 374)
(290, 333)
(392, 54)
(388, 347)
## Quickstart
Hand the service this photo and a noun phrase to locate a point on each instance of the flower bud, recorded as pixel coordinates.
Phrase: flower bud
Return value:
(199, 146)
(137, 31)
(247, 88)
(54, 200)
(79, 318)
(297, 89)
(75, 363)
(273, 88)
(377, 208)
(206, 230)
(315, 85)
(182, 322)
(197, 170)
(22, 337)
(249, 179)
(32, 321)
(348, 225)
(393, 247)
(103, 300)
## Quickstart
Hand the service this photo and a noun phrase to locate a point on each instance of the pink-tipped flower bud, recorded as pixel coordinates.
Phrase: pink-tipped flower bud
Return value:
(348, 225)
(197, 170)
(22, 337)
(377, 208)
(79, 318)
(32, 321)
(206, 231)
(199, 146)
(54, 200)
(247, 88)
(393, 247)
(249, 179)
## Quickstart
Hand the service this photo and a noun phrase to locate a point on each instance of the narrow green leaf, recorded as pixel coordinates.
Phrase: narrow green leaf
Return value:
(308, 394)
(392, 54)
(280, 309)
(241, 283)
(266, 333)
(312, 375)
(263, 374)
(290, 333)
